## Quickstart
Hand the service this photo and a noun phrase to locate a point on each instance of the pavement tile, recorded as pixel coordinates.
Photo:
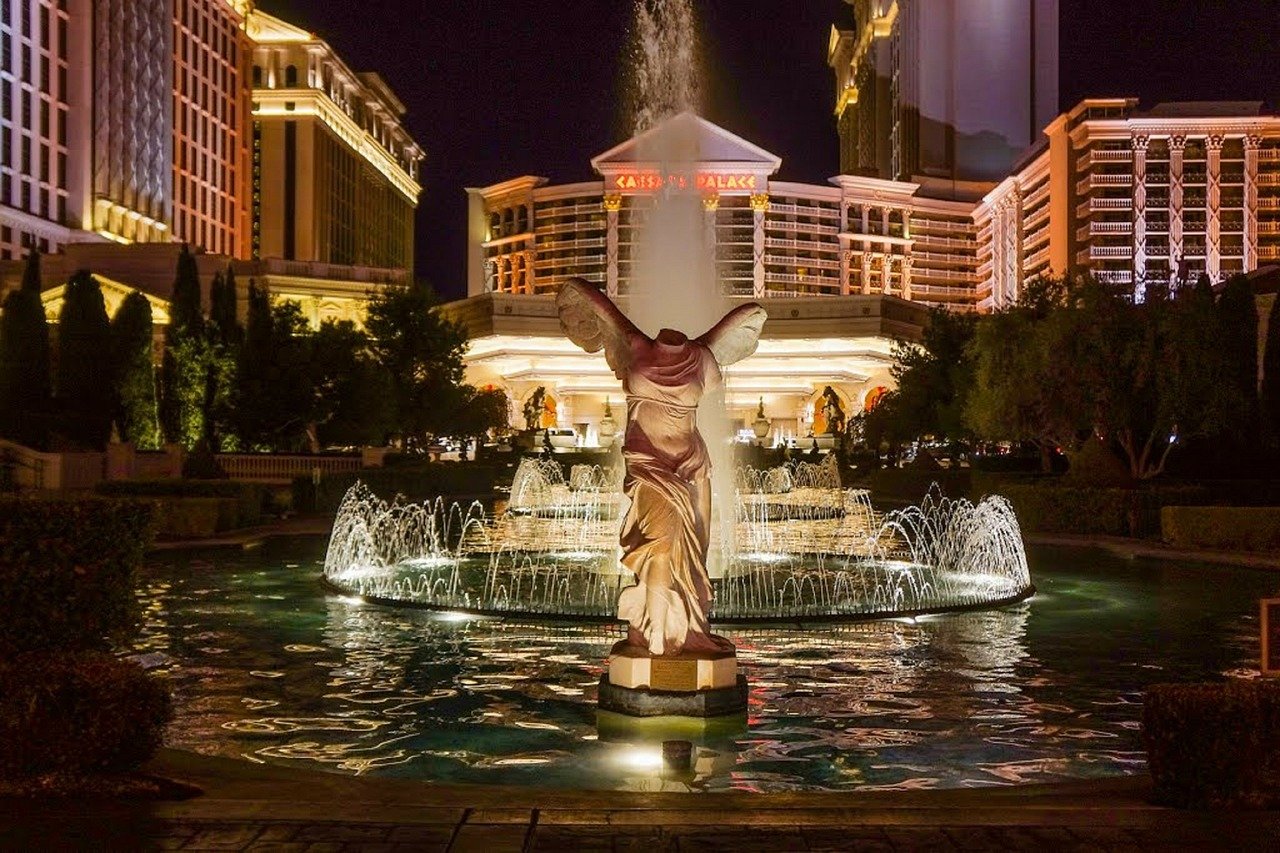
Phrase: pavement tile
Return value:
(279, 832)
(427, 836)
(651, 842)
(556, 839)
(223, 837)
(343, 832)
(861, 838)
(761, 841)
(1036, 839)
(491, 838)
(918, 838)
(278, 847)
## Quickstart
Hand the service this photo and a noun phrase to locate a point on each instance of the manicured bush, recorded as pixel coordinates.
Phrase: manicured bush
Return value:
(87, 712)
(1061, 509)
(1214, 745)
(67, 569)
(910, 485)
(424, 481)
(1048, 507)
(249, 497)
(1244, 528)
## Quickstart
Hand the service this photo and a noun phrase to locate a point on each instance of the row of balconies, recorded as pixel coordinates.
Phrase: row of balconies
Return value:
(807, 245)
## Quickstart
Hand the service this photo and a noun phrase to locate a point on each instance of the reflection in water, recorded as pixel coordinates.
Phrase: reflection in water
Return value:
(269, 668)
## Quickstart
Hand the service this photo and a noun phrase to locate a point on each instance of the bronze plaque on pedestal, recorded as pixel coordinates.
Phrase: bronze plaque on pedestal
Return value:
(675, 674)
(1271, 636)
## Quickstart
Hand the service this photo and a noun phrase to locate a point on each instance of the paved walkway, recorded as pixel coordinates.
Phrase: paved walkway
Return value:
(1148, 548)
(255, 807)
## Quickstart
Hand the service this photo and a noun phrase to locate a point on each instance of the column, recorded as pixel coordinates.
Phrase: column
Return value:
(1251, 146)
(612, 204)
(1013, 246)
(710, 204)
(1213, 207)
(529, 277)
(997, 254)
(759, 206)
(886, 276)
(906, 276)
(1177, 145)
(866, 269)
(846, 264)
(1139, 145)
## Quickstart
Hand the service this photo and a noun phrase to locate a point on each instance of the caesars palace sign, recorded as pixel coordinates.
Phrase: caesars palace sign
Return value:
(701, 181)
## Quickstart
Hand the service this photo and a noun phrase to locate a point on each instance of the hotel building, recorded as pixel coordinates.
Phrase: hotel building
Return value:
(944, 93)
(336, 175)
(203, 122)
(847, 267)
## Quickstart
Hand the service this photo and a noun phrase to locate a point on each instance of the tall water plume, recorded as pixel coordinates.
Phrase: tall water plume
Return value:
(665, 70)
(675, 284)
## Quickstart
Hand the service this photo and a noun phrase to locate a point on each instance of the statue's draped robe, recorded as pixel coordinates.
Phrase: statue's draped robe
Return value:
(665, 534)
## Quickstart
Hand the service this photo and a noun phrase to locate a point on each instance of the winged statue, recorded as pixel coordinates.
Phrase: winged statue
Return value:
(666, 532)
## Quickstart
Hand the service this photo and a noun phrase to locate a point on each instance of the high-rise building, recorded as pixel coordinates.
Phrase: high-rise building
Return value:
(944, 93)
(35, 182)
(211, 127)
(335, 174)
(138, 121)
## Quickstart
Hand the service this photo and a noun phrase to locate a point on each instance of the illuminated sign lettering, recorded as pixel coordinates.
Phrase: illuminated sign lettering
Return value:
(702, 181)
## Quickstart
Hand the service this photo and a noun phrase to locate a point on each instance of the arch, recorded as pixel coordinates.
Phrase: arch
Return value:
(290, 76)
(872, 397)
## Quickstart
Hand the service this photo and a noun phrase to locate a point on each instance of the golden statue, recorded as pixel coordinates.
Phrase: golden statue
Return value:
(666, 532)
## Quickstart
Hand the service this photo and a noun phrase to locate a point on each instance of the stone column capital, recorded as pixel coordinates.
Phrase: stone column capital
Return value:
(760, 202)
(1214, 142)
(1252, 142)
(1178, 143)
(1139, 142)
(613, 202)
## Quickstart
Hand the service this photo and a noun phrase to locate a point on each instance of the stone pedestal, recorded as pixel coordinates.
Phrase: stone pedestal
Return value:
(690, 684)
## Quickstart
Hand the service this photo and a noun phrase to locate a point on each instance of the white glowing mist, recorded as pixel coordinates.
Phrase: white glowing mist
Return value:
(665, 72)
(674, 282)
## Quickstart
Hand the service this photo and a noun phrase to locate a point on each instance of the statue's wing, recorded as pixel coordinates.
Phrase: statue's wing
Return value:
(736, 335)
(593, 322)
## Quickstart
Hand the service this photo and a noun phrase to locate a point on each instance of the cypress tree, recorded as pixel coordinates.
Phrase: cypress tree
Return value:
(137, 416)
(225, 337)
(252, 370)
(1238, 337)
(84, 370)
(25, 382)
(184, 367)
(1271, 374)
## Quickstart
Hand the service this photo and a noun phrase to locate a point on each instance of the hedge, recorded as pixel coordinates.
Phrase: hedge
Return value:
(249, 497)
(67, 571)
(1214, 745)
(1051, 508)
(424, 481)
(1229, 528)
(88, 712)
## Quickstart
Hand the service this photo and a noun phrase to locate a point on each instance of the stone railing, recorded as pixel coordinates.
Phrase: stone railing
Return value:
(33, 469)
(282, 468)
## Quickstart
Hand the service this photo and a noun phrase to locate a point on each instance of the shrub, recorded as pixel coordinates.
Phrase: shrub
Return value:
(249, 497)
(1214, 745)
(1225, 527)
(78, 713)
(67, 568)
(420, 482)
(911, 485)
(1053, 508)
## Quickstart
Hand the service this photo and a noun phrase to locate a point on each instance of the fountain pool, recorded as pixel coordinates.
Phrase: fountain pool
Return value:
(267, 666)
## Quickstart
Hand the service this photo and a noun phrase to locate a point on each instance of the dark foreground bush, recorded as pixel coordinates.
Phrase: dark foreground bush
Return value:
(249, 497)
(420, 482)
(78, 713)
(1214, 745)
(67, 572)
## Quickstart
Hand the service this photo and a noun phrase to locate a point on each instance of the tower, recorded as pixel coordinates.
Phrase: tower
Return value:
(946, 93)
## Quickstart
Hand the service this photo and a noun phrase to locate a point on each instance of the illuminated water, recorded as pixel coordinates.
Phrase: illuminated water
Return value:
(266, 666)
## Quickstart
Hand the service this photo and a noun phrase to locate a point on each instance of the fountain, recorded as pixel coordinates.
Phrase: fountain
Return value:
(807, 548)
(785, 543)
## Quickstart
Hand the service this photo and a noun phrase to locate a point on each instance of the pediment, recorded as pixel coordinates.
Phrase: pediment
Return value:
(688, 138)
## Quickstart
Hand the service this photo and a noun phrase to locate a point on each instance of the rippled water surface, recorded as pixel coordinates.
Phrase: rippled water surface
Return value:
(269, 667)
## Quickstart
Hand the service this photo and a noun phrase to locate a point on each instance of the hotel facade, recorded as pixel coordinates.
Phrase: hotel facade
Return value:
(203, 122)
(847, 267)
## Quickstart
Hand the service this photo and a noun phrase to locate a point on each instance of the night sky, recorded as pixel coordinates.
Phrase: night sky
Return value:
(502, 88)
